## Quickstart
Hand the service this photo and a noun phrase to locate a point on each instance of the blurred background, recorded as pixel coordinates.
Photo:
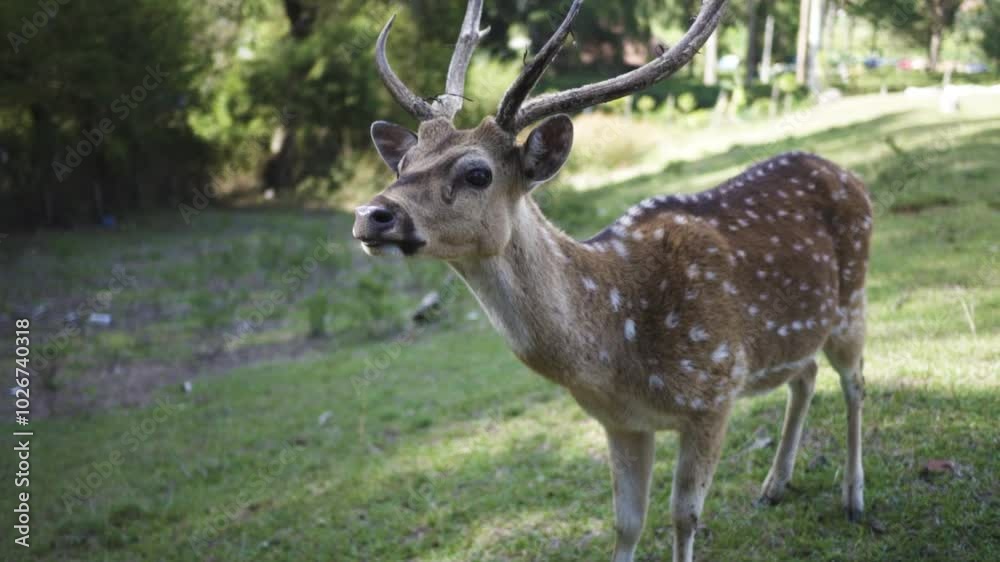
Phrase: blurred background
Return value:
(220, 374)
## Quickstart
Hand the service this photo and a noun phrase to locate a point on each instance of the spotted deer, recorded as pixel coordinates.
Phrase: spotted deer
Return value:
(665, 317)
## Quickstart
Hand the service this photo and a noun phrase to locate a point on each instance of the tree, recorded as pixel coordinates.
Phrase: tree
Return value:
(922, 21)
(802, 42)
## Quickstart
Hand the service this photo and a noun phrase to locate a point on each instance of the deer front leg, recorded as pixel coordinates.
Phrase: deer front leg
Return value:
(631, 468)
(800, 393)
(700, 445)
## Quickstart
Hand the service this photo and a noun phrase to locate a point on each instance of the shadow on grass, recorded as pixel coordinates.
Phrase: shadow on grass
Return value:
(543, 496)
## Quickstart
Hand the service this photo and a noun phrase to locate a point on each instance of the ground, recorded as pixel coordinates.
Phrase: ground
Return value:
(384, 442)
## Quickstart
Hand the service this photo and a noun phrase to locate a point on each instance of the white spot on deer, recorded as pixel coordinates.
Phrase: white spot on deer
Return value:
(629, 329)
(741, 254)
(619, 248)
(749, 201)
(761, 274)
(798, 247)
(710, 275)
(658, 234)
(783, 331)
(769, 325)
(752, 310)
(857, 245)
(698, 334)
(697, 404)
(752, 215)
(636, 235)
(797, 326)
(782, 194)
(782, 213)
(663, 285)
(616, 299)
(799, 217)
(743, 222)
(775, 240)
(680, 219)
(655, 382)
(729, 288)
(763, 296)
(679, 399)
(687, 365)
(692, 271)
(619, 230)
(721, 353)
(712, 250)
(800, 193)
(589, 284)
(673, 320)
(803, 286)
(690, 294)
(769, 258)
(604, 356)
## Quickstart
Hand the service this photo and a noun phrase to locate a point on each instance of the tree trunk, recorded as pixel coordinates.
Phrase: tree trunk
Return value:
(751, 57)
(765, 60)
(802, 42)
(711, 76)
(815, 43)
(934, 49)
(279, 170)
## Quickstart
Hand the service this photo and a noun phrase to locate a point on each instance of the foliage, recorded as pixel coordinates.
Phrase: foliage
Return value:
(94, 103)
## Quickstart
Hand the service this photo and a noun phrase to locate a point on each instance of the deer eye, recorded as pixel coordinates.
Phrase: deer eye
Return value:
(479, 177)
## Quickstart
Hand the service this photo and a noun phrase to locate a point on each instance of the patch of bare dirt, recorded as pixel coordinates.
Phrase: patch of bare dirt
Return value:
(133, 384)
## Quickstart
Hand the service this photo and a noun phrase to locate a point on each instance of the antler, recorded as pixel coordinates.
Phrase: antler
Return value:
(525, 82)
(514, 116)
(451, 102)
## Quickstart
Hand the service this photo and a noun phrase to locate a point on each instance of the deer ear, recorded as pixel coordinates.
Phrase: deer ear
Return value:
(547, 149)
(392, 142)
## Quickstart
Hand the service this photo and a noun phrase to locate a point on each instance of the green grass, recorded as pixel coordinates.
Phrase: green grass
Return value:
(442, 447)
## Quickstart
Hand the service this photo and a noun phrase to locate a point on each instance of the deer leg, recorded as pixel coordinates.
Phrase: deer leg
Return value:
(800, 393)
(631, 469)
(846, 357)
(700, 446)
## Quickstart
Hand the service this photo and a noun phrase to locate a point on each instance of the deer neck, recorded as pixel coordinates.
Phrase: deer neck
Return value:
(528, 292)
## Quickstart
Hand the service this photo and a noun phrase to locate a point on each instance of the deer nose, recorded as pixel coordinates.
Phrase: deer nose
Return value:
(377, 218)
(373, 221)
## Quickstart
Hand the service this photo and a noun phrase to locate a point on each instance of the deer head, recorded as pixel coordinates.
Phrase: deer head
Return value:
(457, 191)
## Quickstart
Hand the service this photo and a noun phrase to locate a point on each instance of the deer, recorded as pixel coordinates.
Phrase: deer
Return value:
(664, 318)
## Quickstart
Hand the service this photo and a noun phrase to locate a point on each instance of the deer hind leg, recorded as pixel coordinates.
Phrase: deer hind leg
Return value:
(800, 393)
(844, 351)
(631, 469)
(700, 446)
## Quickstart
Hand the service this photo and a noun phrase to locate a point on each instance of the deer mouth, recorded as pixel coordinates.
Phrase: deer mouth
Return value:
(376, 246)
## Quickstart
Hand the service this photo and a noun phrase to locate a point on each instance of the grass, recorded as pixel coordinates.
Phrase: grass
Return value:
(440, 446)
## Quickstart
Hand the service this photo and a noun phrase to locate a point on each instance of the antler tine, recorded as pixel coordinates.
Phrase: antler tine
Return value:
(406, 98)
(510, 104)
(468, 38)
(630, 82)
